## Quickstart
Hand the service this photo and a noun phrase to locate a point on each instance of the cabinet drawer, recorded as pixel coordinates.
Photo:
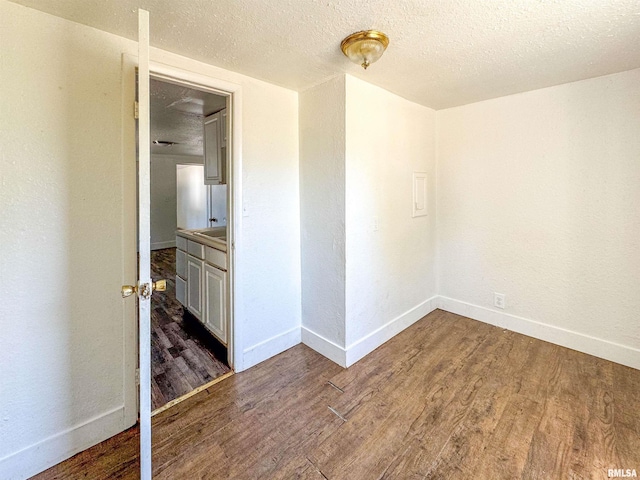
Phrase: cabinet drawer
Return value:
(195, 249)
(181, 243)
(181, 263)
(216, 257)
(181, 291)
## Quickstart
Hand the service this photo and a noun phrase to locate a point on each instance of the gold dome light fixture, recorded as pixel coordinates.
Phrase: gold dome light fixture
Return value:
(365, 48)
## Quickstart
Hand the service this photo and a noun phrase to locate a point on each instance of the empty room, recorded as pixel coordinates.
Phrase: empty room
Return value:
(339, 239)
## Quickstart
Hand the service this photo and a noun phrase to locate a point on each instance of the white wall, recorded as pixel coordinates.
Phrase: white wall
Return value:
(268, 308)
(359, 146)
(539, 199)
(390, 267)
(164, 208)
(66, 233)
(268, 270)
(322, 215)
(61, 230)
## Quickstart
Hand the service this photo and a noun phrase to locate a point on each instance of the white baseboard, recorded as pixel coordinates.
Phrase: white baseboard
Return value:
(52, 450)
(345, 357)
(369, 343)
(270, 347)
(597, 347)
(161, 245)
(324, 347)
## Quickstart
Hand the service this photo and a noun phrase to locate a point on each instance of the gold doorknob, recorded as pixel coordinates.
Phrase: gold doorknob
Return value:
(128, 290)
(145, 291)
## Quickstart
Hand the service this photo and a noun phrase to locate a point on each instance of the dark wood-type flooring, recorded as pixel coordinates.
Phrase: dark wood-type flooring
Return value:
(183, 353)
(447, 398)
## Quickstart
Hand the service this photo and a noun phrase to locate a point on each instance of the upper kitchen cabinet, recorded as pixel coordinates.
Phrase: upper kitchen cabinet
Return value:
(215, 148)
(223, 126)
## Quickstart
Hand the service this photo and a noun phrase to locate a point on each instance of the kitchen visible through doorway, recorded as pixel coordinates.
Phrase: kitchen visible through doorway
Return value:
(190, 321)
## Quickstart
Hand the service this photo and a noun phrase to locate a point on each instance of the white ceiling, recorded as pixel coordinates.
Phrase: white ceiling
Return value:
(177, 115)
(442, 53)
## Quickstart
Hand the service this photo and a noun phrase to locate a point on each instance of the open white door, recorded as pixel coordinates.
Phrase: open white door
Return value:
(144, 287)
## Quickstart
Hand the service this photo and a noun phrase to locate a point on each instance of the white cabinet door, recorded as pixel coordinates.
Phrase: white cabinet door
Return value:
(215, 288)
(212, 146)
(195, 274)
(223, 128)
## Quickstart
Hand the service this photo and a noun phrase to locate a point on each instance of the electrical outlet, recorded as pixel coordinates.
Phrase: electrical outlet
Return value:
(375, 224)
(498, 300)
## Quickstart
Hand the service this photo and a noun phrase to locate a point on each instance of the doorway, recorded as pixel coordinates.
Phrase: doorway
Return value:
(191, 321)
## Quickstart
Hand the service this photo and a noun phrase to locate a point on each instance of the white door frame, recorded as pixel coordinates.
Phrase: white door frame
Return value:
(169, 73)
(202, 81)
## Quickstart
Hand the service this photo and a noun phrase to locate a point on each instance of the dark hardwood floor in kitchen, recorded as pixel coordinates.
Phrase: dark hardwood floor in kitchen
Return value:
(182, 351)
(448, 398)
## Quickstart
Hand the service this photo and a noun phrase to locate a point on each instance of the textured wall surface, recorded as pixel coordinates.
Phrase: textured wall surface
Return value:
(537, 195)
(268, 267)
(368, 267)
(390, 255)
(538, 199)
(322, 214)
(61, 227)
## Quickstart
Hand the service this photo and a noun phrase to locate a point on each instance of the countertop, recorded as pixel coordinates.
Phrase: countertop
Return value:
(215, 237)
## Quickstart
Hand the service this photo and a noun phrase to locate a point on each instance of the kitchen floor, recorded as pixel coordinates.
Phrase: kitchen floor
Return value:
(183, 353)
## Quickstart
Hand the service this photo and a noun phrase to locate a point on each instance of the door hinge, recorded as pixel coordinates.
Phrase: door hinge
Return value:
(136, 110)
(137, 376)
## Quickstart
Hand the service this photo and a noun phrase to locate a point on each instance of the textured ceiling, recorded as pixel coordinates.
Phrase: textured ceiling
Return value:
(442, 52)
(177, 115)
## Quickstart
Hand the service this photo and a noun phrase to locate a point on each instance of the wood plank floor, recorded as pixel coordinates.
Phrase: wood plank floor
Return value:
(447, 398)
(184, 356)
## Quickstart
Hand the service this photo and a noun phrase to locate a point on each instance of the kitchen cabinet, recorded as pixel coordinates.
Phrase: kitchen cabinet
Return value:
(201, 283)
(215, 294)
(223, 129)
(215, 143)
(181, 270)
(181, 263)
(195, 273)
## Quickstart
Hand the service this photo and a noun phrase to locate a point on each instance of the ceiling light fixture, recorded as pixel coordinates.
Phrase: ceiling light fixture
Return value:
(164, 143)
(365, 48)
